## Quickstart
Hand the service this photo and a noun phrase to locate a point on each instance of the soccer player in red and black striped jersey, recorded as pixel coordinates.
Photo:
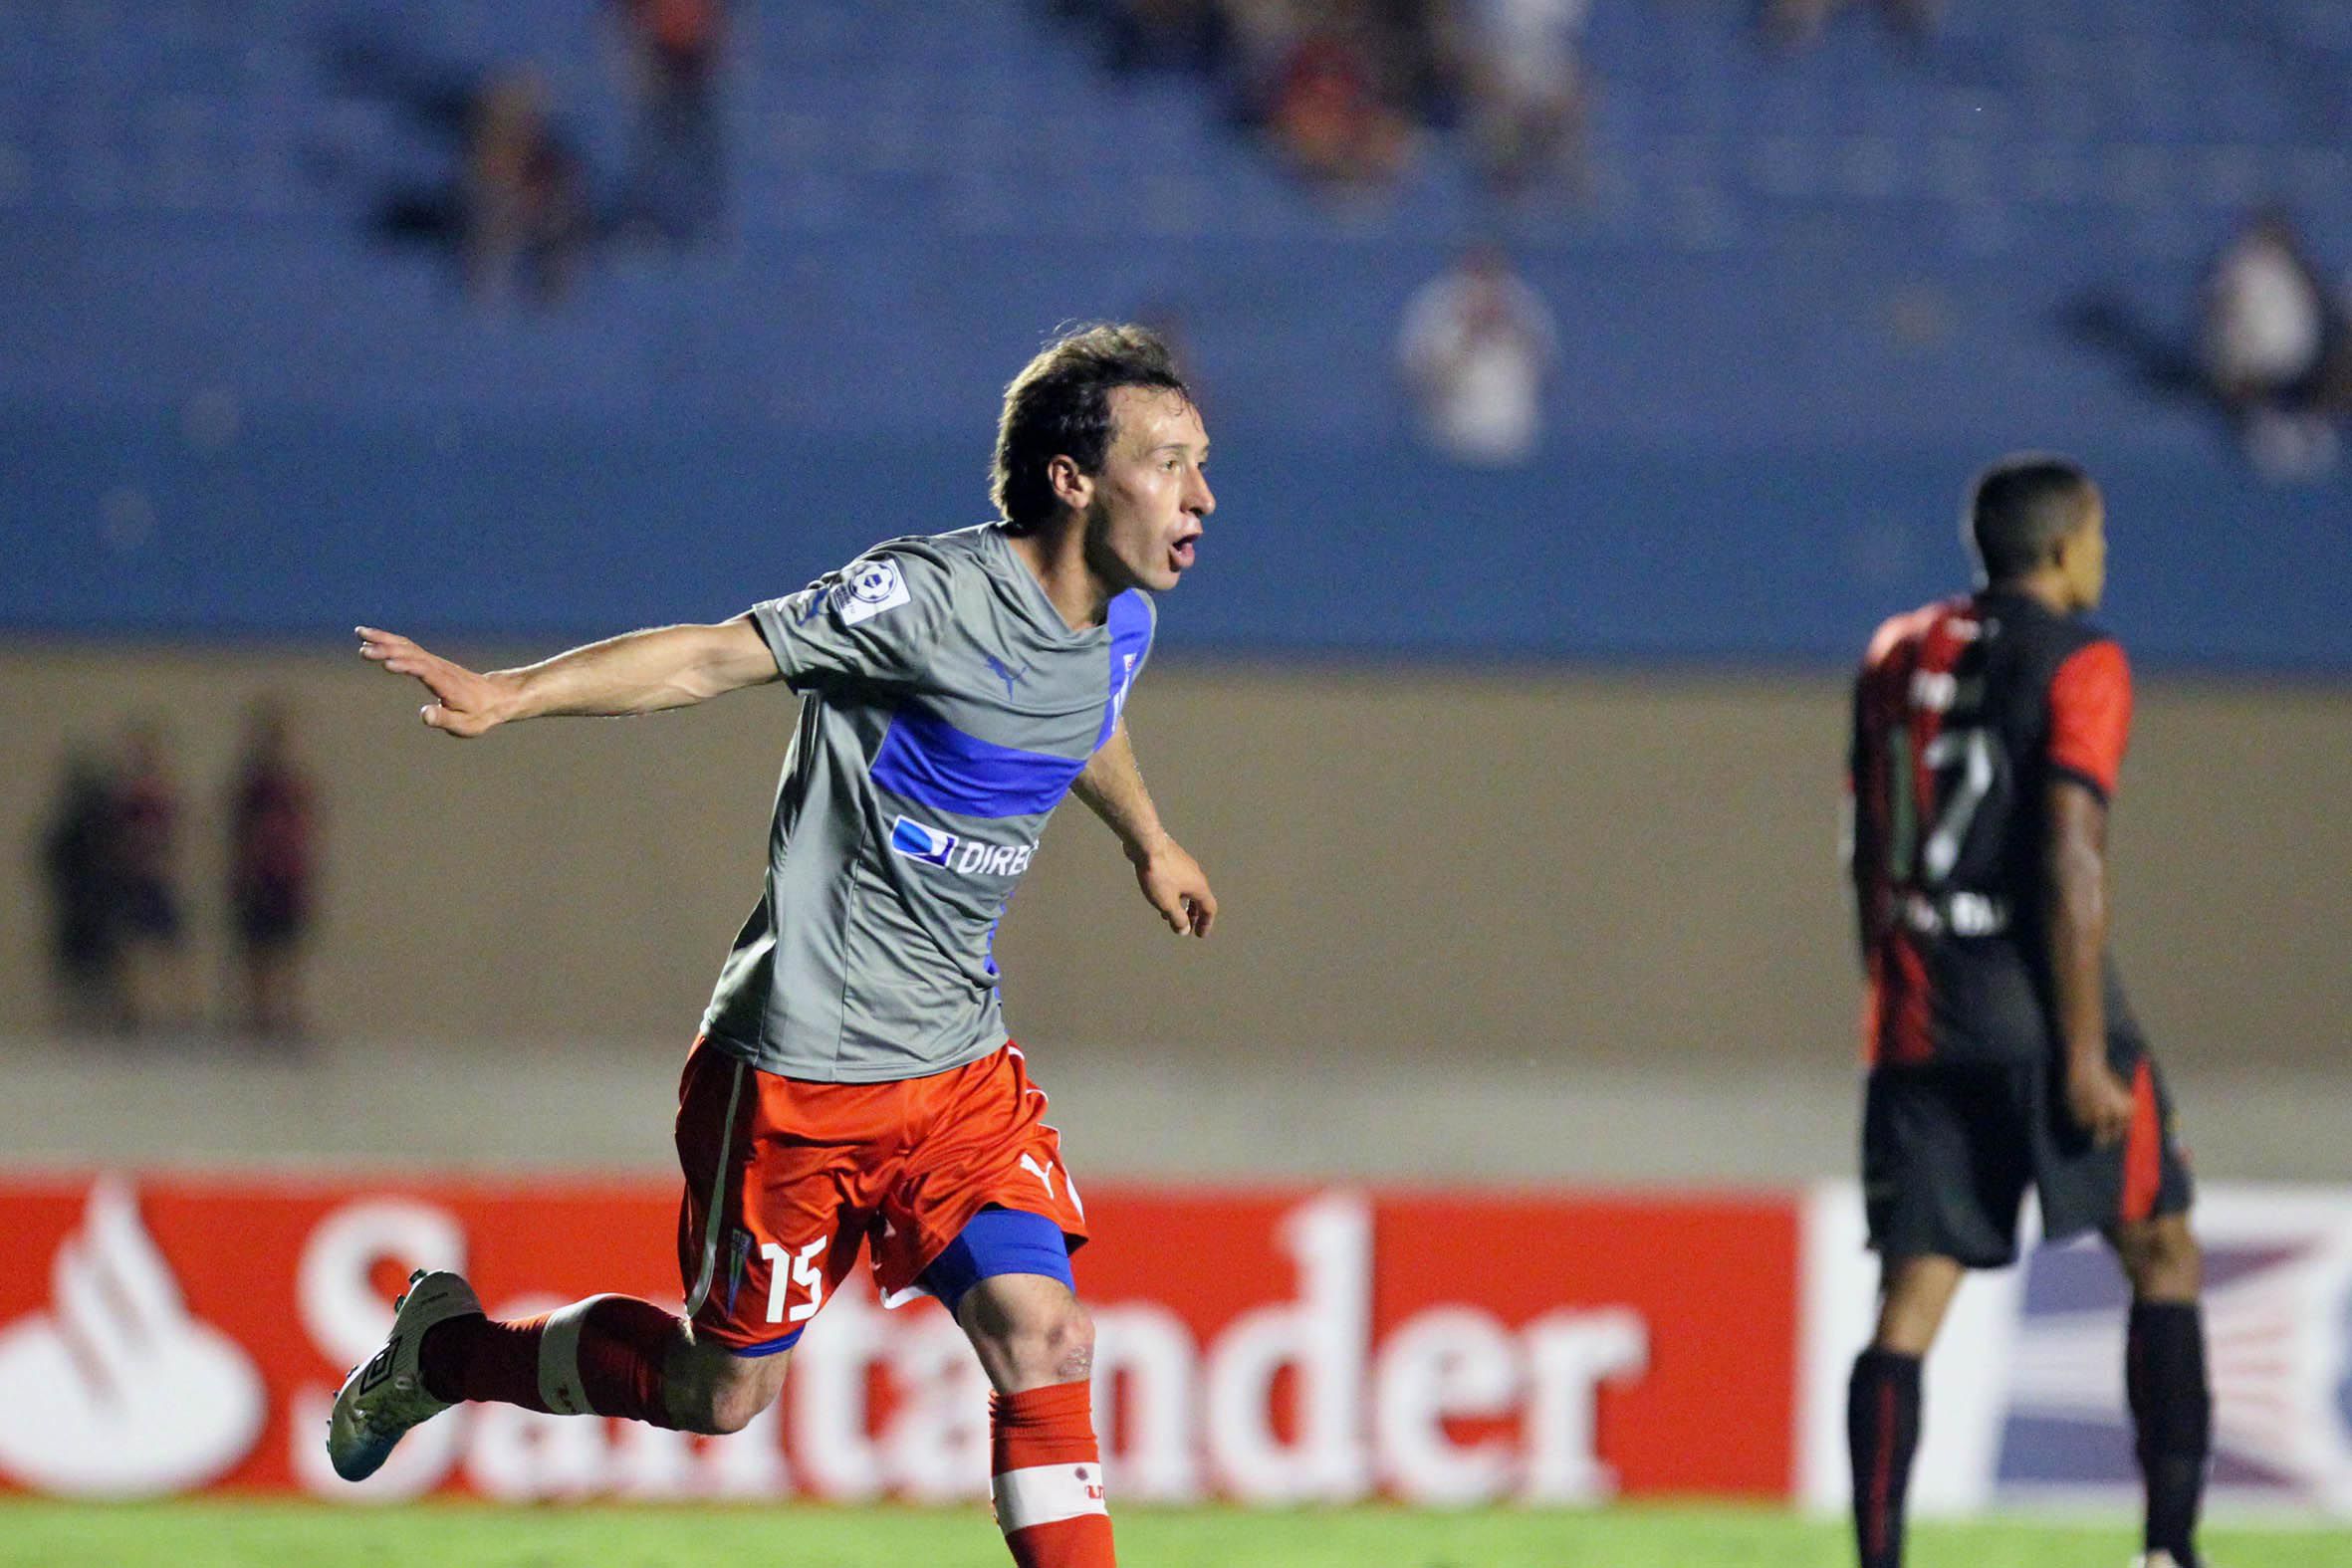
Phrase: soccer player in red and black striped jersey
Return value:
(1988, 734)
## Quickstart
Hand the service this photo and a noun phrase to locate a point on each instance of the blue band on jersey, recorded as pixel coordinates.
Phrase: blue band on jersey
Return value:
(1129, 620)
(998, 1241)
(928, 761)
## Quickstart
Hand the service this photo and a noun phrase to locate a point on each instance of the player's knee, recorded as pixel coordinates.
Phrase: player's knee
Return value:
(1071, 1345)
(716, 1393)
(732, 1408)
(2161, 1259)
(1056, 1345)
(1915, 1294)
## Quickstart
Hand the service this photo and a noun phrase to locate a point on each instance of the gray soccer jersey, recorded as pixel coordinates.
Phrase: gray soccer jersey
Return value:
(946, 709)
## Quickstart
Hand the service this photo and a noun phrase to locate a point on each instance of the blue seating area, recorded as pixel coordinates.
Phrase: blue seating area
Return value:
(848, 116)
(1813, 290)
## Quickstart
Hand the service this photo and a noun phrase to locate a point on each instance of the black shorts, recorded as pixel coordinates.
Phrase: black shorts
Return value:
(1949, 1150)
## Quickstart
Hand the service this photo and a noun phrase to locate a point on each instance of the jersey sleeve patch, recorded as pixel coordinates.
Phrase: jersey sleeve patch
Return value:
(874, 621)
(874, 586)
(2091, 714)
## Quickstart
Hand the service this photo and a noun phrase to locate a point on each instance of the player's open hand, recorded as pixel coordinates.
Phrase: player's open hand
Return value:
(1174, 883)
(464, 703)
(2100, 1102)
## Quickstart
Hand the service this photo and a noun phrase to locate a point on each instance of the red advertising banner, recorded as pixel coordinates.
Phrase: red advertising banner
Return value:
(173, 1333)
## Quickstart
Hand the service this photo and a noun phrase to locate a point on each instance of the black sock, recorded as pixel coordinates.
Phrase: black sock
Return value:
(1882, 1433)
(2173, 1417)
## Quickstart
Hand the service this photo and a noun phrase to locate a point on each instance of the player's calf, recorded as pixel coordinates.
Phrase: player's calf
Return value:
(1046, 1477)
(2165, 1380)
(608, 1355)
(1007, 1281)
(1882, 1438)
(2172, 1409)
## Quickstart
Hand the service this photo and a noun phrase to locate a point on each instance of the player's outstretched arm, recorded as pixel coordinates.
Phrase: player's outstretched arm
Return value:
(2076, 921)
(1861, 841)
(1112, 787)
(642, 672)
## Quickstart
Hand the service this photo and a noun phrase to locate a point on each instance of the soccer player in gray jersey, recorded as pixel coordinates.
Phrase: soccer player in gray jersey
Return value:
(852, 1085)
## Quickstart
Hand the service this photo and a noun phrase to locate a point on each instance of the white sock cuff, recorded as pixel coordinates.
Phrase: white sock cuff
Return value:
(559, 1359)
(1046, 1494)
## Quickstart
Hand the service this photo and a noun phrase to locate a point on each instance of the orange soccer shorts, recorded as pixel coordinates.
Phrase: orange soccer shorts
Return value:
(786, 1179)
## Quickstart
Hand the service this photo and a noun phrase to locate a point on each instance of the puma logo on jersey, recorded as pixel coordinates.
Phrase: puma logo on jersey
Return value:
(1008, 673)
(970, 856)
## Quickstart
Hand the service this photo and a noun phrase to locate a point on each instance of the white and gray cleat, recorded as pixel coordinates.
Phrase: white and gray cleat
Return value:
(385, 1396)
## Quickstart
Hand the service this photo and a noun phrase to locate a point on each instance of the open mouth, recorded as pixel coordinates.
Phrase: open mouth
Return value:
(1180, 553)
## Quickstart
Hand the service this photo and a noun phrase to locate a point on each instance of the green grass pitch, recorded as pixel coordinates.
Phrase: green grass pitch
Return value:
(231, 1534)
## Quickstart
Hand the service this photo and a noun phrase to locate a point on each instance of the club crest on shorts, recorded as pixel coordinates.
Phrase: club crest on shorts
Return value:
(739, 1256)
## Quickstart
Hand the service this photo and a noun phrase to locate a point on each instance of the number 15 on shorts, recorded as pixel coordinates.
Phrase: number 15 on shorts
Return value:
(786, 1268)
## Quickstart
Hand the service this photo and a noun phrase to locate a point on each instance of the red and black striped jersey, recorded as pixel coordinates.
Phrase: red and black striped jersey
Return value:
(1965, 711)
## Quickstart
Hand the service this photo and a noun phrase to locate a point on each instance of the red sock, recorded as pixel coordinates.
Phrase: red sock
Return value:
(474, 1357)
(1048, 1478)
(602, 1356)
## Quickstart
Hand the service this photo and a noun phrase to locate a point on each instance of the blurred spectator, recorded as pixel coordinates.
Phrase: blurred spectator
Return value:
(77, 861)
(272, 855)
(1322, 81)
(2265, 313)
(674, 187)
(145, 834)
(1340, 89)
(1172, 34)
(1327, 117)
(2331, 382)
(1792, 24)
(1526, 90)
(2262, 341)
(525, 215)
(514, 209)
(1476, 349)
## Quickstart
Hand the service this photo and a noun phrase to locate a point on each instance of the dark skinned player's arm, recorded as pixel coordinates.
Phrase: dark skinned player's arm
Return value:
(1865, 853)
(1865, 846)
(2074, 922)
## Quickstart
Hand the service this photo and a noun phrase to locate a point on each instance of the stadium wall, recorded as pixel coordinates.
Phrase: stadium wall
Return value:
(1421, 870)
(1641, 541)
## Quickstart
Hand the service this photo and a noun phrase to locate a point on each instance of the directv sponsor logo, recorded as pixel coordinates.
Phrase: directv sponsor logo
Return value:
(921, 841)
(918, 842)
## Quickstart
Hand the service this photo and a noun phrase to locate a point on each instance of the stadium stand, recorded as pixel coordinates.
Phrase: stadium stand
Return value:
(1882, 241)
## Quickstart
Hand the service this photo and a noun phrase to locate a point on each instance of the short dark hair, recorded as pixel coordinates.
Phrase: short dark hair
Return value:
(2020, 508)
(1059, 405)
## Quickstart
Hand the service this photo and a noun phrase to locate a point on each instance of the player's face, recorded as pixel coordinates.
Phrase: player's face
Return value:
(2084, 561)
(1144, 515)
